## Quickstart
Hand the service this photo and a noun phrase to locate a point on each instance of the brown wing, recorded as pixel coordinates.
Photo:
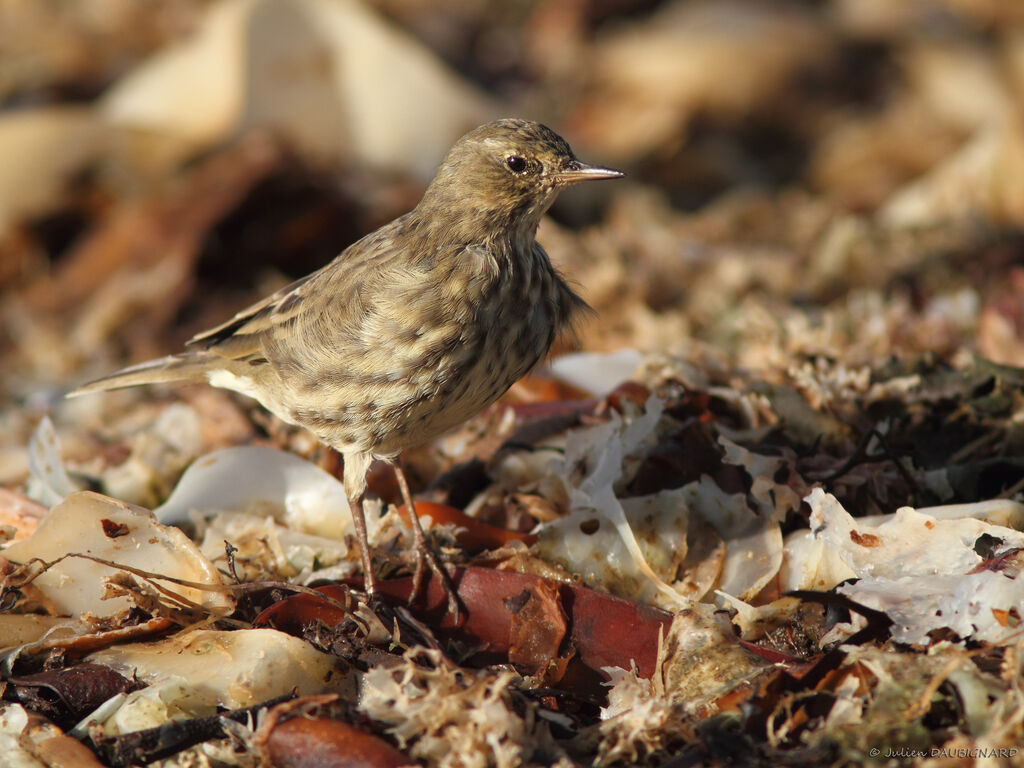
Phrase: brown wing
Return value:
(326, 307)
(241, 336)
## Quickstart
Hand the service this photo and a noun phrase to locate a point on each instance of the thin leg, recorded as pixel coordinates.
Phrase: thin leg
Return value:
(424, 554)
(354, 478)
(359, 520)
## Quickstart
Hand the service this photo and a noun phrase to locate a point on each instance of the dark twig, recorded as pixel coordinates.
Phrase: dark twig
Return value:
(146, 746)
(861, 456)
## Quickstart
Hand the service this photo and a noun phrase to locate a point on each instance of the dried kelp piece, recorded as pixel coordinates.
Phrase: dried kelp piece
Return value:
(802, 424)
(323, 742)
(773, 497)
(635, 545)
(603, 630)
(753, 541)
(538, 631)
(66, 695)
(978, 381)
(472, 534)
(151, 744)
(751, 556)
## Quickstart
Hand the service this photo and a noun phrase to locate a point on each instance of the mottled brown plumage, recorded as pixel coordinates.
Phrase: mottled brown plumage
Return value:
(414, 328)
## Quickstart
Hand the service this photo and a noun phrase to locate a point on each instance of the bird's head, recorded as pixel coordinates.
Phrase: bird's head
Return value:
(509, 172)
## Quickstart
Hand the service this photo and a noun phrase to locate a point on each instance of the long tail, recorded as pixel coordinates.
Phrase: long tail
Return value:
(188, 366)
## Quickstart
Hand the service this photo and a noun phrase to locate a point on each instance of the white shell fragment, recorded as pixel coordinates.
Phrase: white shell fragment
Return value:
(261, 481)
(42, 147)
(48, 481)
(589, 545)
(112, 530)
(226, 668)
(596, 460)
(596, 372)
(922, 570)
(18, 629)
(330, 75)
(1002, 512)
(975, 605)
(158, 455)
(753, 542)
(635, 546)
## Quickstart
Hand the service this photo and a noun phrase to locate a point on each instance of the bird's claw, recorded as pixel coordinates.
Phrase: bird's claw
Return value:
(424, 552)
(425, 558)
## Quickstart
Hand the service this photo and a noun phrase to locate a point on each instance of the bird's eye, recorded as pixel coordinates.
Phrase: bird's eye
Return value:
(515, 163)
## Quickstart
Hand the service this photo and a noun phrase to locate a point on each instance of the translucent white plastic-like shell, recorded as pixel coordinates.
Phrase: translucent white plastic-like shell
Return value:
(598, 373)
(921, 567)
(333, 77)
(112, 530)
(634, 546)
(227, 668)
(261, 480)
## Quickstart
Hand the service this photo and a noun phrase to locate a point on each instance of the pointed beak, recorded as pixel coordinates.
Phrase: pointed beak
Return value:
(575, 171)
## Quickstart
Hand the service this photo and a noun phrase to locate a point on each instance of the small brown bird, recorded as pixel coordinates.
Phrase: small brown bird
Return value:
(413, 329)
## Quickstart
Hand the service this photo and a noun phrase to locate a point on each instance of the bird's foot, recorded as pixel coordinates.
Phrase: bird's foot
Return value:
(425, 558)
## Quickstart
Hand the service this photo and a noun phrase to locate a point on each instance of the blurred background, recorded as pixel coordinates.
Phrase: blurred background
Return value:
(823, 183)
